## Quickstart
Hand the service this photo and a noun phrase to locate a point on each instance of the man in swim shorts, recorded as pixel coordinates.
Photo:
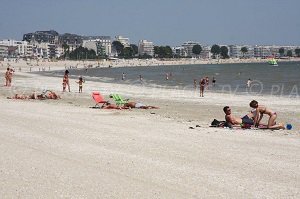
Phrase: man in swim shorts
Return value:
(247, 119)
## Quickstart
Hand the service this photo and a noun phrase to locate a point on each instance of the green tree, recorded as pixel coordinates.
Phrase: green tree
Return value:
(127, 53)
(289, 53)
(118, 46)
(82, 53)
(163, 51)
(197, 49)
(66, 49)
(244, 50)
(215, 50)
(281, 51)
(297, 52)
(135, 49)
(224, 52)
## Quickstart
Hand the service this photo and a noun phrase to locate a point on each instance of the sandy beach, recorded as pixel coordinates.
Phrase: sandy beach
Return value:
(65, 149)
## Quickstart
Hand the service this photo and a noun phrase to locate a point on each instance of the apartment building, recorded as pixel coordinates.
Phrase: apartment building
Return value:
(123, 40)
(3, 51)
(100, 44)
(145, 47)
(188, 47)
(262, 51)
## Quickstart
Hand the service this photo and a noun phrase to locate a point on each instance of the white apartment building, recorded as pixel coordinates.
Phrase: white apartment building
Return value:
(145, 47)
(24, 49)
(234, 51)
(123, 40)
(3, 51)
(205, 53)
(188, 47)
(101, 47)
(180, 51)
(262, 51)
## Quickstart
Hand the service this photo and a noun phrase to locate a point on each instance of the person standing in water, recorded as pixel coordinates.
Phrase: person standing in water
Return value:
(214, 81)
(202, 84)
(195, 84)
(249, 83)
(123, 76)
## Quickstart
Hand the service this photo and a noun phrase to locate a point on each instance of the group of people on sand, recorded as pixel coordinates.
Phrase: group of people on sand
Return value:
(66, 82)
(47, 94)
(9, 76)
(254, 117)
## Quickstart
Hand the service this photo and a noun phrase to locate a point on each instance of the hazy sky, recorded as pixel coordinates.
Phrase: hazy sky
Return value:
(165, 22)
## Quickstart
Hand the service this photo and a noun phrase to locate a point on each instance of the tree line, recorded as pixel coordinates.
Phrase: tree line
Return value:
(159, 52)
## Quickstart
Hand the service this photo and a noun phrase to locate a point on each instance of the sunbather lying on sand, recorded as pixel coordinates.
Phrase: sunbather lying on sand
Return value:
(138, 105)
(112, 106)
(44, 95)
(247, 119)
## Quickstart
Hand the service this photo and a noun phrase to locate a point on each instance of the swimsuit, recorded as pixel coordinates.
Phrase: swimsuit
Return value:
(138, 105)
(247, 120)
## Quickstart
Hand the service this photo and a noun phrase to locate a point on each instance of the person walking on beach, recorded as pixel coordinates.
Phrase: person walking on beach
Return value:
(7, 77)
(202, 84)
(66, 81)
(259, 112)
(80, 83)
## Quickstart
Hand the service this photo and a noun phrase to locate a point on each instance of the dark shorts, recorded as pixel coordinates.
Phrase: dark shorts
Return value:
(247, 120)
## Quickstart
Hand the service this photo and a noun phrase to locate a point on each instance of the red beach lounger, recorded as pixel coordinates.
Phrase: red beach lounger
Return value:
(99, 99)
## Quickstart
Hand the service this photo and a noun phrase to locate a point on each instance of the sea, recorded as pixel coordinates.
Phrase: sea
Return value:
(281, 80)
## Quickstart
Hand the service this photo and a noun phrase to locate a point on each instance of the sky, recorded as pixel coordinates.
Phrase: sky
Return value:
(164, 22)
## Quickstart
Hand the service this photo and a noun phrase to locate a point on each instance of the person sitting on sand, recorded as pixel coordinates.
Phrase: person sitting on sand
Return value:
(247, 119)
(138, 105)
(259, 112)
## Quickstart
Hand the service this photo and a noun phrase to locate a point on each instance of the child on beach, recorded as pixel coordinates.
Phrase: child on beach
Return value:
(80, 83)
(260, 110)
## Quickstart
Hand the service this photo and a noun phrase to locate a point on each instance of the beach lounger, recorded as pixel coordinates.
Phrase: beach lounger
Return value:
(118, 99)
(99, 99)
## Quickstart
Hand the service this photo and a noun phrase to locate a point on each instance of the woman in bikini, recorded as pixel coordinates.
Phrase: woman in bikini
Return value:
(66, 81)
(260, 110)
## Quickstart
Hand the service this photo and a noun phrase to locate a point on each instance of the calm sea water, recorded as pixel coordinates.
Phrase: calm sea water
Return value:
(266, 79)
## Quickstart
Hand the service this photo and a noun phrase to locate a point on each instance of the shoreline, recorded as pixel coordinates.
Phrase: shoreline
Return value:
(72, 150)
(67, 64)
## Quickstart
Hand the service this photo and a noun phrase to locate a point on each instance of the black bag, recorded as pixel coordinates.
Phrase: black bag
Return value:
(217, 123)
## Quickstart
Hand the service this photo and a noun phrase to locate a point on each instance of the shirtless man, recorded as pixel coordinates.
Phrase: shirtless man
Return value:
(259, 112)
(247, 119)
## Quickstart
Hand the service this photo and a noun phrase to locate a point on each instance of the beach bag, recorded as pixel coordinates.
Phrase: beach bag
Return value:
(217, 123)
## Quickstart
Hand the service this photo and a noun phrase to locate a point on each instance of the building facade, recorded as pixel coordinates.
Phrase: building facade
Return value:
(145, 47)
(123, 40)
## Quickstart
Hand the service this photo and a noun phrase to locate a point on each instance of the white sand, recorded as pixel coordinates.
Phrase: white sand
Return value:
(52, 149)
